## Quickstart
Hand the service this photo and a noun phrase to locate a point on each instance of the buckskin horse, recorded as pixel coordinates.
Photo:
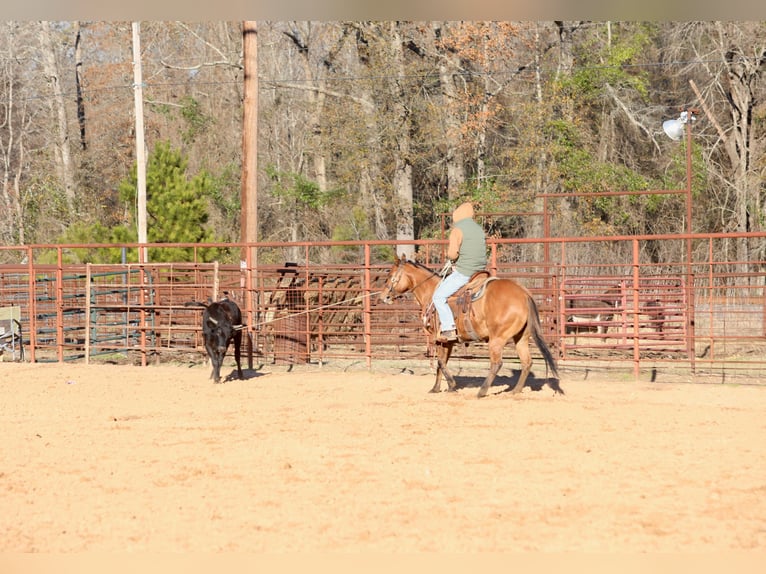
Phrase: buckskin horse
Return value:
(497, 311)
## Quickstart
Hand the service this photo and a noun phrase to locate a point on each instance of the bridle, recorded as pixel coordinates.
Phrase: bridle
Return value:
(398, 275)
(389, 290)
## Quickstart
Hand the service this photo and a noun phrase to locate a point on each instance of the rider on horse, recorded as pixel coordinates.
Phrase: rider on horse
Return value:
(467, 251)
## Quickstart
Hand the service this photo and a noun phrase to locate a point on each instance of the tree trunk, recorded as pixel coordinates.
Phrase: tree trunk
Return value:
(370, 169)
(78, 85)
(402, 177)
(566, 58)
(62, 151)
(300, 33)
(454, 158)
(537, 224)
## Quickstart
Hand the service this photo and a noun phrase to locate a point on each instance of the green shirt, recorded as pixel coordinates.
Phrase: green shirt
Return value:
(473, 249)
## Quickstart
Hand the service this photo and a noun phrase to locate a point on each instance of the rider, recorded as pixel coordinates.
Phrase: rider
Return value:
(467, 251)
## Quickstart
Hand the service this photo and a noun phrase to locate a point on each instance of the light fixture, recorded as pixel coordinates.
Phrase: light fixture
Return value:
(675, 128)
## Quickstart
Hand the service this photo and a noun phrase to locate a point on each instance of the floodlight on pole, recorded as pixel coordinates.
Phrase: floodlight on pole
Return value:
(674, 129)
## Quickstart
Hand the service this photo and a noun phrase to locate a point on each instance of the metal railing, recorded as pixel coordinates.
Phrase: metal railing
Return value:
(599, 298)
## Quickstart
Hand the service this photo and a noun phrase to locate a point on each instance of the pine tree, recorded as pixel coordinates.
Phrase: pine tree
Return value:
(177, 207)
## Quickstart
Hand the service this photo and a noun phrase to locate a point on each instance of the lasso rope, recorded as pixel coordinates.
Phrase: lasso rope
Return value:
(314, 309)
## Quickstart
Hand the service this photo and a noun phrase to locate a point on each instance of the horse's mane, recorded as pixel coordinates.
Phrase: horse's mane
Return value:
(421, 266)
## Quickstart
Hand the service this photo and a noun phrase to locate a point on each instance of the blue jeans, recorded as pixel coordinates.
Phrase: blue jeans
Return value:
(448, 286)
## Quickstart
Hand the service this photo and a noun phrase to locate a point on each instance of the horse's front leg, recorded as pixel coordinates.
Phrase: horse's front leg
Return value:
(495, 363)
(443, 353)
(494, 369)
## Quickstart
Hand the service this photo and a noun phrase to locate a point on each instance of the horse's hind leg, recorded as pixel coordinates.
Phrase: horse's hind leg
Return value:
(525, 358)
(443, 353)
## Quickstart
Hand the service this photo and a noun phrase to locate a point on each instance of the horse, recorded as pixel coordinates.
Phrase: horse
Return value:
(592, 313)
(503, 310)
(656, 316)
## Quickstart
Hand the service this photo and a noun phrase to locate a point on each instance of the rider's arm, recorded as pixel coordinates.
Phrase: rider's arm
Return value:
(455, 239)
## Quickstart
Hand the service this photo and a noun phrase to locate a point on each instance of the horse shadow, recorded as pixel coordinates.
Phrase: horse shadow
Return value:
(533, 382)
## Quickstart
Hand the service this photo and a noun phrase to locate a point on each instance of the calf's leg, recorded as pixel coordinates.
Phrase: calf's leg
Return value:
(237, 351)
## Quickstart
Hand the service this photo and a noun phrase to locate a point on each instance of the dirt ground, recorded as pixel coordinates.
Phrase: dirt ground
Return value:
(315, 459)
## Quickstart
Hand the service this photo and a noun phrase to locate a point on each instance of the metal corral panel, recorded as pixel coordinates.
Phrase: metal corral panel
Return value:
(599, 298)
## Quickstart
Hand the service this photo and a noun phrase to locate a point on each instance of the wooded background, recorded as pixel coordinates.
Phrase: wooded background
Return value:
(372, 130)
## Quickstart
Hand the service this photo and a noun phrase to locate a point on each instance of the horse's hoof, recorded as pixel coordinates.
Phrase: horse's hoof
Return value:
(434, 391)
(482, 393)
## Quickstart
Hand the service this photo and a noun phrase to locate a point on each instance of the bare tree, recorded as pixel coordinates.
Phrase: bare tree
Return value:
(728, 60)
(330, 42)
(17, 122)
(743, 47)
(64, 165)
(448, 62)
(401, 133)
(11, 144)
(486, 50)
(370, 168)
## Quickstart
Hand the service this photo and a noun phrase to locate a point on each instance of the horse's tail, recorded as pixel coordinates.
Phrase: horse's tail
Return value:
(537, 334)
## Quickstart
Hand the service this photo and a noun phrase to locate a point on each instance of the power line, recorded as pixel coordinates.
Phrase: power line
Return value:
(190, 83)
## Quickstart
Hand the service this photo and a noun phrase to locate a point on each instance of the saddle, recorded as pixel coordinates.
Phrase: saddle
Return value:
(461, 304)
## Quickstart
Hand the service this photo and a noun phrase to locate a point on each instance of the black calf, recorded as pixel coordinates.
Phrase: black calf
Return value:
(221, 324)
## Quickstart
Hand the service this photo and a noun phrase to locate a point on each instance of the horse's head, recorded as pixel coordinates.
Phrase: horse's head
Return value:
(395, 286)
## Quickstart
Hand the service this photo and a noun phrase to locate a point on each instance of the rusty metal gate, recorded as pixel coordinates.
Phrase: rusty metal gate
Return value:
(601, 313)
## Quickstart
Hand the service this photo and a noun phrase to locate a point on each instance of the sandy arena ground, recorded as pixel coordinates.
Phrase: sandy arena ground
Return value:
(127, 458)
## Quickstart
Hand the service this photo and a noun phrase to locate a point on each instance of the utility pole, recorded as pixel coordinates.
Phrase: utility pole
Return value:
(249, 192)
(138, 95)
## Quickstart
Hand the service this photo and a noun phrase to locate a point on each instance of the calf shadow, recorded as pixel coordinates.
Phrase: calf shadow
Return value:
(533, 382)
(247, 374)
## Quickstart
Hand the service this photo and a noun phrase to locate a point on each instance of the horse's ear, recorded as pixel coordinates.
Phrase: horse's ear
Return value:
(403, 257)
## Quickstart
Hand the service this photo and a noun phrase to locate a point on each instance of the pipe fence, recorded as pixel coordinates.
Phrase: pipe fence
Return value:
(602, 300)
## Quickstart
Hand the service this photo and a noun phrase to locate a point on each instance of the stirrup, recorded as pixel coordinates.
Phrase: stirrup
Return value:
(449, 336)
